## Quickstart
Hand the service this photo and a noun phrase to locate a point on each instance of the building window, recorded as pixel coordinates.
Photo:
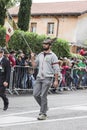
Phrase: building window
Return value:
(50, 28)
(33, 27)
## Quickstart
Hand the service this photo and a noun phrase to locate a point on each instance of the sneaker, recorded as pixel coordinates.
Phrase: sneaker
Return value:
(42, 117)
(5, 107)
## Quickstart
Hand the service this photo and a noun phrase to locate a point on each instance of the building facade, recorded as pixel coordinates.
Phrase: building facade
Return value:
(66, 20)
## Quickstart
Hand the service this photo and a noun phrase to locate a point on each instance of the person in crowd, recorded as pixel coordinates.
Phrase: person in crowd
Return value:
(47, 63)
(4, 78)
(12, 58)
(6, 54)
(64, 69)
(27, 61)
(81, 72)
(74, 73)
(21, 53)
(19, 61)
(28, 78)
(83, 52)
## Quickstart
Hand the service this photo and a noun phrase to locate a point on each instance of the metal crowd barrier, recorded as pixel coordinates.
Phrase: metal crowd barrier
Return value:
(81, 77)
(21, 79)
(10, 88)
(75, 78)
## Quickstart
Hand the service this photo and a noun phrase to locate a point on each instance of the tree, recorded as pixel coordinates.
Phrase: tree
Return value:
(12, 3)
(3, 4)
(2, 36)
(61, 48)
(34, 40)
(24, 14)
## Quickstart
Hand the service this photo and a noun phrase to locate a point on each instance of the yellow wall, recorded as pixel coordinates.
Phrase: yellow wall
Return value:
(81, 28)
(66, 27)
(42, 24)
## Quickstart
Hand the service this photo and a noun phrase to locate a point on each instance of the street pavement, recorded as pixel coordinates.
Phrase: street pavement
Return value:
(67, 111)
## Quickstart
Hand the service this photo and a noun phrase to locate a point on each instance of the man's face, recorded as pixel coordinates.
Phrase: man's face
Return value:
(46, 46)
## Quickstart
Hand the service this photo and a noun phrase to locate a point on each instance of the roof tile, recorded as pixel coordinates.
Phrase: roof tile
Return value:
(74, 7)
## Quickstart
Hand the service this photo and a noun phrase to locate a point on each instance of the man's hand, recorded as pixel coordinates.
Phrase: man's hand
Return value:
(33, 59)
(55, 84)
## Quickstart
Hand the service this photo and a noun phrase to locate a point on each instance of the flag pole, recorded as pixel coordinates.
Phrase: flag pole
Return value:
(26, 43)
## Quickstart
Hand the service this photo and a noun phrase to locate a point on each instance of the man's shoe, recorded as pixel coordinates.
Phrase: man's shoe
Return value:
(5, 107)
(42, 117)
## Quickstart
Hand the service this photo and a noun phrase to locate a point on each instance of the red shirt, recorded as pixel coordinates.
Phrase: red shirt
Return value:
(12, 60)
(82, 52)
(64, 68)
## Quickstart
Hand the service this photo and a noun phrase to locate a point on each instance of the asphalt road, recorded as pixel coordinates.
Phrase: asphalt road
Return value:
(67, 111)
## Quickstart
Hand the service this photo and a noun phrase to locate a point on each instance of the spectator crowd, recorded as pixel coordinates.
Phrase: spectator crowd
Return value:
(73, 71)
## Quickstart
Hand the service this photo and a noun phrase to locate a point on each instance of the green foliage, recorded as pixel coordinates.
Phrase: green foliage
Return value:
(2, 16)
(19, 39)
(34, 41)
(61, 48)
(24, 14)
(2, 36)
(12, 3)
(16, 41)
(78, 56)
(3, 4)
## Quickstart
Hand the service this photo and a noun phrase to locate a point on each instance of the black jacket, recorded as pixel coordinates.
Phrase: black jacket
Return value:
(5, 70)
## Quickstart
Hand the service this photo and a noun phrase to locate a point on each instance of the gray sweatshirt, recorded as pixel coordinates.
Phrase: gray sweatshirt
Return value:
(47, 65)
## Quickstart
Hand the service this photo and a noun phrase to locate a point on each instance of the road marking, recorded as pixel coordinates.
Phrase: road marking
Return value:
(15, 119)
(28, 122)
(79, 108)
(51, 109)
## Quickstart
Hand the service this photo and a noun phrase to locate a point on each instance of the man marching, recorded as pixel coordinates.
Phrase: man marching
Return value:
(48, 69)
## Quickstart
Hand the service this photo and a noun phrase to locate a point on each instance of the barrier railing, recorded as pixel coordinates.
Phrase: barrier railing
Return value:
(23, 78)
(73, 79)
(9, 88)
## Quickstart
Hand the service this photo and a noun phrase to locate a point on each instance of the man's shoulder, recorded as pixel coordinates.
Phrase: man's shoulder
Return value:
(41, 53)
(53, 54)
(5, 59)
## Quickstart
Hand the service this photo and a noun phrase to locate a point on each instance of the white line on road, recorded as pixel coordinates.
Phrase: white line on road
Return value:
(45, 121)
(35, 111)
(13, 119)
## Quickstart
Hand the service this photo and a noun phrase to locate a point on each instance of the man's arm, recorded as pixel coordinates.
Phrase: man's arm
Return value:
(33, 60)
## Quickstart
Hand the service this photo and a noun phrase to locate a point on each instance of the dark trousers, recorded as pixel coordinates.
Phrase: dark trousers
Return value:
(3, 95)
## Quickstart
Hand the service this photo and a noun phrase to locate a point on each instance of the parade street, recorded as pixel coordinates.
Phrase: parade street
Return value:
(67, 111)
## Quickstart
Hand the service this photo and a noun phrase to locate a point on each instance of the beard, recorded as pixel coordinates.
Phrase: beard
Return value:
(46, 49)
